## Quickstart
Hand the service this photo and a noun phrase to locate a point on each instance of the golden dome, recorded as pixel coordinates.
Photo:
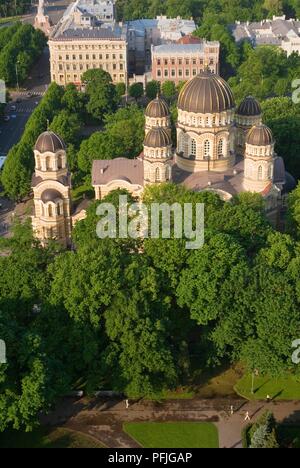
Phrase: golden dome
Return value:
(157, 109)
(49, 142)
(158, 138)
(260, 135)
(206, 94)
(249, 107)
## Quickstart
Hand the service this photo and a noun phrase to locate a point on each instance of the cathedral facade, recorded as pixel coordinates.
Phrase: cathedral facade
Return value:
(219, 148)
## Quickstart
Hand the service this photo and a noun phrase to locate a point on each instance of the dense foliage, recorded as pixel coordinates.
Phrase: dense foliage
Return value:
(131, 315)
(20, 46)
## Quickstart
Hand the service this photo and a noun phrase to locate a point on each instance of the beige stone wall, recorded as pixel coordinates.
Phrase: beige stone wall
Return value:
(102, 190)
(205, 141)
(69, 59)
(52, 218)
(259, 167)
(156, 172)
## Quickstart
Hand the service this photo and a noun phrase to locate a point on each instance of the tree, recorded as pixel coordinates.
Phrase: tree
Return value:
(102, 95)
(136, 90)
(152, 89)
(73, 100)
(121, 90)
(123, 137)
(67, 125)
(169, 89)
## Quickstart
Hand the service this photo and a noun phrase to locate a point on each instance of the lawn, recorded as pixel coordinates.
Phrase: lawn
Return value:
(173, 434)
(283, 388)
(47, 438)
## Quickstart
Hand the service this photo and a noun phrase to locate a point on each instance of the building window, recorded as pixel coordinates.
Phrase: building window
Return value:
(206, 149)
(157, 175)
(221, 149)
(260, 173)
(193, 147)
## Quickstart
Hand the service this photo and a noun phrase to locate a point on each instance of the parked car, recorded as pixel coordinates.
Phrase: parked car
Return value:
(13, 108)
(6, 118)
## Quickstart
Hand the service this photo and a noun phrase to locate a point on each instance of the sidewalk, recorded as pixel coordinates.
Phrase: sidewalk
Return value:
(104, 419)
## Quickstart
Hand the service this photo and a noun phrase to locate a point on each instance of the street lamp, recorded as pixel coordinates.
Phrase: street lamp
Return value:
(17, 75)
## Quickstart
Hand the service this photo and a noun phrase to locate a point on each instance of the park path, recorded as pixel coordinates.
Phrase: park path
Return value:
(104, 419)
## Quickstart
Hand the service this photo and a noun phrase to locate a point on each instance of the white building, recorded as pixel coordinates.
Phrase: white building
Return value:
(279, 32)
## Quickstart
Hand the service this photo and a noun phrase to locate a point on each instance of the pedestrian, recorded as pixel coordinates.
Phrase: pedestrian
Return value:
(247, 417)
(127, 404)
(268, 399)
(231, 410)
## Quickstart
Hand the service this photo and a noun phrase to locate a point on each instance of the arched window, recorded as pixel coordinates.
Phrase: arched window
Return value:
(59, 162)
(58, 209)
(206, 149)
(167, 173)
(157, 174)
(193, 147)
(260, 173)
(50, 211)
(270, 172)
(221, 149)
(48, 167)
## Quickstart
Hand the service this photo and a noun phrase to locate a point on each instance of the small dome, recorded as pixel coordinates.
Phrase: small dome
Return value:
(206, 94)
(260, 135)
(157, 109)
(49, 142)
(50, 195)
(158, 138)
(249, 107)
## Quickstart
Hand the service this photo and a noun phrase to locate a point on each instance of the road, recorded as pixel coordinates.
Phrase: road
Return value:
(37, 84)
(54, 9)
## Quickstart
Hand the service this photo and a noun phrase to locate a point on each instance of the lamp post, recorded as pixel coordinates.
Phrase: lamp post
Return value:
(17, 76)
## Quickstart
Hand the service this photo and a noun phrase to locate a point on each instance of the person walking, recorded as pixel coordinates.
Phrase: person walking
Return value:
(247, 417)
(268, 399)
(127, 404)
(231, 410)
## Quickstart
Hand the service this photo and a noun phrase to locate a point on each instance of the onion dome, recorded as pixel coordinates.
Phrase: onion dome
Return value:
(206, 94)
(157, 109)
(158, 138)
(249, 107)
(49, 142)
(260, 135)
(50, 195)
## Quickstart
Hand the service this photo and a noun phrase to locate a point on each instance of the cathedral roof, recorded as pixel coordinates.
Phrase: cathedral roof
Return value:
(206, 94)
(249, 107)
(49, 142)
(260, 135)
(158, 108)
(157, 138)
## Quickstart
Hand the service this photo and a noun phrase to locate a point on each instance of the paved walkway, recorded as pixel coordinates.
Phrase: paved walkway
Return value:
(104, 419)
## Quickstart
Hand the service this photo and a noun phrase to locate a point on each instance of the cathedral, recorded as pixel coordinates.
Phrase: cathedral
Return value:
(220, 148)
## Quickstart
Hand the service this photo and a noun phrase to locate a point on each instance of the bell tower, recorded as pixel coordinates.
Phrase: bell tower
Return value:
(51, 185)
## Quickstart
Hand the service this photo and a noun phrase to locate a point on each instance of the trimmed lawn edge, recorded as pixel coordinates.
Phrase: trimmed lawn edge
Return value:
(199, 423)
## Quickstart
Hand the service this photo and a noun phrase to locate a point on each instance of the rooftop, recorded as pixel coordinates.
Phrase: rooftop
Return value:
(184, 49)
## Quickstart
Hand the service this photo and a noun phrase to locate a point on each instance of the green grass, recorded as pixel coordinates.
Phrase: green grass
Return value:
(173, 434)
(10, 19)
(283, 388)
(47, 438)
